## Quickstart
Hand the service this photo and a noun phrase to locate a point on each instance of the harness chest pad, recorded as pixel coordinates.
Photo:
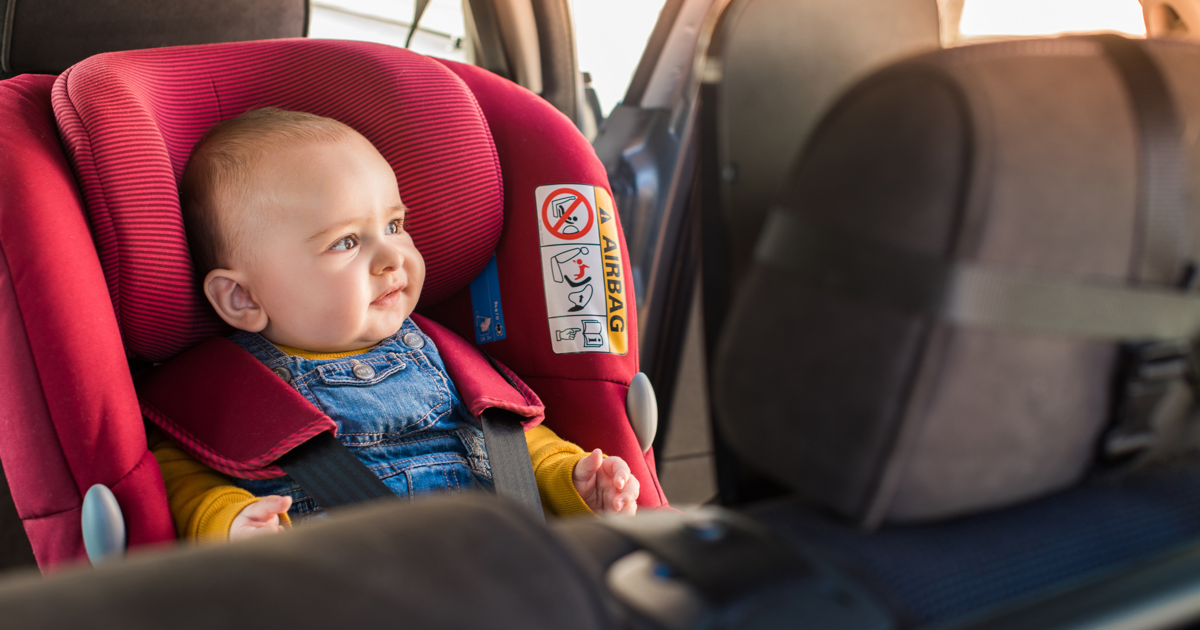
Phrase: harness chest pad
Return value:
(235, 415)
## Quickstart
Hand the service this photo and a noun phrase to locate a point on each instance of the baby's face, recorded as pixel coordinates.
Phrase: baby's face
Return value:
(332, 266)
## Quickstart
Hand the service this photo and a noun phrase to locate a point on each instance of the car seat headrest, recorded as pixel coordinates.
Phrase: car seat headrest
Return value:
(128, 121)
(48, 36)
(1011, 158)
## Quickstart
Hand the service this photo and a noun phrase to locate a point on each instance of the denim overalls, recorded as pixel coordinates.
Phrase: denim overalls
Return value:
(395, 408)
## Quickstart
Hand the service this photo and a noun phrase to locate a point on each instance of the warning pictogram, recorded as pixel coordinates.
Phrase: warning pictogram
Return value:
(566, 214)
(582, 269)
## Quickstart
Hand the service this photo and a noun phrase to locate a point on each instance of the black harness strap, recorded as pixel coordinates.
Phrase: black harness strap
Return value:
(331, 474)
(508, 455)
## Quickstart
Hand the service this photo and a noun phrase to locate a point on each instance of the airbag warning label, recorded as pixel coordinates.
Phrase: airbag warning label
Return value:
(581, 269)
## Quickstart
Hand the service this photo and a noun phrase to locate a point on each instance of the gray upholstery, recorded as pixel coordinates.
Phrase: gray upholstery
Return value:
(1018, 155)
(782, 64)
(47, 36)
(463, 562)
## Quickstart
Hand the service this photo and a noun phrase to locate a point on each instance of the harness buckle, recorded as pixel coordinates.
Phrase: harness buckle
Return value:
(1153, 392)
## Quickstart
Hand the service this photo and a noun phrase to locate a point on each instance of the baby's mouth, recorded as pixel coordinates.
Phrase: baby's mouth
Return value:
(389, 298)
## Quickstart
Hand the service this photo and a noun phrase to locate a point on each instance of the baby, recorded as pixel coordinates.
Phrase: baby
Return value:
(296, 223)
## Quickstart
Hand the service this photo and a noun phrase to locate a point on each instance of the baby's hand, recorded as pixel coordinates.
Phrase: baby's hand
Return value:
(606, 485)
(260, 517)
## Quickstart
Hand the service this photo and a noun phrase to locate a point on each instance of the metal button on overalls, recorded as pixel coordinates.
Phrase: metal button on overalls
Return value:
(363, 371)
(414, 341)
(283, 373)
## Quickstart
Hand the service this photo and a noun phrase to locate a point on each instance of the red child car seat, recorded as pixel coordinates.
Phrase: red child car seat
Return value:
(472, 153)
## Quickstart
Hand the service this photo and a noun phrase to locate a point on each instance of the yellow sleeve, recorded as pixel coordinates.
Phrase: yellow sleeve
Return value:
(554, 462)
(203, 503)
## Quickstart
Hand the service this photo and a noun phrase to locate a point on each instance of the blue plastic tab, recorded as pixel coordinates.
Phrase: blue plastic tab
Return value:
(485, 301)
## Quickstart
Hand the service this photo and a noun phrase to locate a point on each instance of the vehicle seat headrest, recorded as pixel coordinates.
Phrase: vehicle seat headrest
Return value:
(128, 121)
(48, 36)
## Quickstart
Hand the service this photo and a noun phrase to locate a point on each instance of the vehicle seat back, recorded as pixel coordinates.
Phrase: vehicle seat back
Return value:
(48, 36)
(781, 65)
(955, 464)
(776, 67)
(1021, 157)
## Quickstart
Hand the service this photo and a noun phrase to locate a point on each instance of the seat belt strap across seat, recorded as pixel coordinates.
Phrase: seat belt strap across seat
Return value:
(972, 294)
(1162, 247)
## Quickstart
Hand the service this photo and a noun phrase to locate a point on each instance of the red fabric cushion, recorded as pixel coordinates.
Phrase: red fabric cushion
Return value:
(68, 412)
(584, 393)
(129, 120)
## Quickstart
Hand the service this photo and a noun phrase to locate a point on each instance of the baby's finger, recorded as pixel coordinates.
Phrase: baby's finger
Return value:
(624, 506)
(624, 502)
(251, 532)
(586, 468)
(619, 471)
(268, 507)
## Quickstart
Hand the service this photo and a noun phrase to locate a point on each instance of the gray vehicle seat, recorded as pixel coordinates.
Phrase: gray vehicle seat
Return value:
(959, 455)
(449, 562)
(772, 68)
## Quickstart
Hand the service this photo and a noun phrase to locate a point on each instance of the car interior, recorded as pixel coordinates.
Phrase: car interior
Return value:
(898, 327)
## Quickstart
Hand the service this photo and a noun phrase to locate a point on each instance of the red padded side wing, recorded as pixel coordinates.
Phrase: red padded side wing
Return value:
(229, 410)
(584, 393)
(69, 417)
(476, 379)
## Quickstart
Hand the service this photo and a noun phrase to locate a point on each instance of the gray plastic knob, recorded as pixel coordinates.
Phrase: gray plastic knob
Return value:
(642, 407)
(103, 526)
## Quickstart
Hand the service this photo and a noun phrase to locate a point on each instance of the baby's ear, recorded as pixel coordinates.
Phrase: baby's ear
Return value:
(228, 293)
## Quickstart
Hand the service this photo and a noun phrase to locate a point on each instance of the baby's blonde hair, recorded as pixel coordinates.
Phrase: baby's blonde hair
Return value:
(216, 189)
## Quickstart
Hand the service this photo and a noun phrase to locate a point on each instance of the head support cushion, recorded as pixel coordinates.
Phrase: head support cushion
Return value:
(129, 120)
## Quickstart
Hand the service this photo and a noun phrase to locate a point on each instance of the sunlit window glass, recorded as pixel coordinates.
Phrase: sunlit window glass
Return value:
(387, 22)
(1000, 18)
(611, 36)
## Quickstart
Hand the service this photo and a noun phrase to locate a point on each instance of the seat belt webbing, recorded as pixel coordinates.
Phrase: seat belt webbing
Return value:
(972, 294)
(1163, 245)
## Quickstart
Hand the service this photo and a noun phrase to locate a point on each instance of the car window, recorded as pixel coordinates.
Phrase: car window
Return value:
(610, 36)
(1023, 18)
(387, 22)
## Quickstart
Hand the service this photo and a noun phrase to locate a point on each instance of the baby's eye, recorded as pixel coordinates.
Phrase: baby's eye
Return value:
(347, 243)
(395, 226)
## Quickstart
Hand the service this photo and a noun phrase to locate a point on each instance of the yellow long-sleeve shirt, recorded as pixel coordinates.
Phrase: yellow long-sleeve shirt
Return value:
(204, 503)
